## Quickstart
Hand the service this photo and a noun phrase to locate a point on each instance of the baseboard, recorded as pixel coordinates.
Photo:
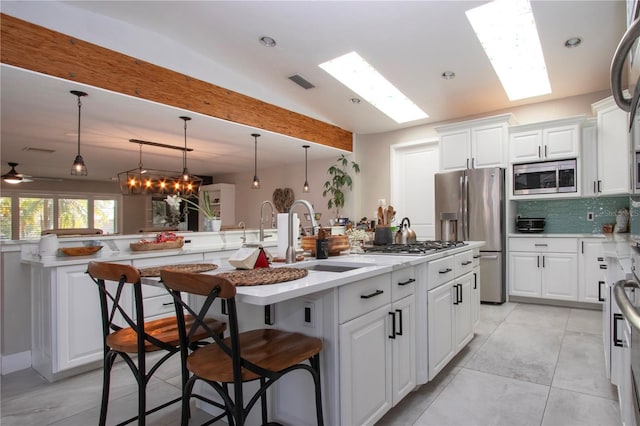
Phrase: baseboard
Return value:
(15, 362)
(551, 302)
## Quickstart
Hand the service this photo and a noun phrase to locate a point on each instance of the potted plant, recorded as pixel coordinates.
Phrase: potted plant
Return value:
(203, 205)
(339, 178)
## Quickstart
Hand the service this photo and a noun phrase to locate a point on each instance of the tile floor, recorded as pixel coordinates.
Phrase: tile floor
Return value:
(527, 365)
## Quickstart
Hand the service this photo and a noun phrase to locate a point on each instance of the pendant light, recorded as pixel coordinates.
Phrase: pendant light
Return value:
(305, 187)
(256, 181)
(78, 168)
(12, 176)
(185, 170)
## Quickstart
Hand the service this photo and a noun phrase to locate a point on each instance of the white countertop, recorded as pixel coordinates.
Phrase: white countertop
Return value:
(317, 281)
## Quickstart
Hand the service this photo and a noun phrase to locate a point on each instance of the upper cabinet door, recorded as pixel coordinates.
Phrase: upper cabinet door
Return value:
(560, 142)
(455, 150)
(488, 146)
(525, 146)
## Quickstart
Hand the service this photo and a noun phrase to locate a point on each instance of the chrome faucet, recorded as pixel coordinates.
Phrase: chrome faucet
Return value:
(262, 219)
(291, 251)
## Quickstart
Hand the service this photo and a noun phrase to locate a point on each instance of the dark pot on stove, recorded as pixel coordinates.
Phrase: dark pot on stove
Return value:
(405, 234)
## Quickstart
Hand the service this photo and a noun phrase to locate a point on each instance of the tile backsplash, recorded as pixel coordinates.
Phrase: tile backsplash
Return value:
(569, 216)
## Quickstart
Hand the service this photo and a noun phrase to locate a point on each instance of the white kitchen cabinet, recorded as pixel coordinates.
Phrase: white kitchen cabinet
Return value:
(591, 261)
(550, 140)
(223, 203)
(403, 309)
(462, 311)
(543, 267)
(474, 144)
(66, 320)
(613, 149)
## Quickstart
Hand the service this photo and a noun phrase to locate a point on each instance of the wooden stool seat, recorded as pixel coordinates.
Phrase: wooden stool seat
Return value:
(269, 348)
(164, 329)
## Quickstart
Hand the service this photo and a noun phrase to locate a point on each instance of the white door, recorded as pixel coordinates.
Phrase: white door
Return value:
(412, 185)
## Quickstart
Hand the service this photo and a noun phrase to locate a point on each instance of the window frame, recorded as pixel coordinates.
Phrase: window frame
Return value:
(16, 194)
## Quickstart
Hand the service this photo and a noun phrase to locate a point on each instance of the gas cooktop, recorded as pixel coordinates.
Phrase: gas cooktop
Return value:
(417, 249)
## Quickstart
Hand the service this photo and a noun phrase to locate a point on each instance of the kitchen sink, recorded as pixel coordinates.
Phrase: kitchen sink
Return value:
(332, 267)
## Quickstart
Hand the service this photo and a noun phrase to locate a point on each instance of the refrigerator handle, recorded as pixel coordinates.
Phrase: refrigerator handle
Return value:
(465, 200)
(461, 208)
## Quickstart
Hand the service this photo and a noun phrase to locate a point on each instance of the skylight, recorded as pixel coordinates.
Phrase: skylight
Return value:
(355, 73)
(507, 31)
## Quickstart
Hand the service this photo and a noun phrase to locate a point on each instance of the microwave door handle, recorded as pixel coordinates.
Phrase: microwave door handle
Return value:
(557, 179)
(617, 64)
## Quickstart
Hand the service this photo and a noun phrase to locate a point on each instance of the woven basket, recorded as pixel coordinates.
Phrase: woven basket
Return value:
(264, 276)
(154, 271)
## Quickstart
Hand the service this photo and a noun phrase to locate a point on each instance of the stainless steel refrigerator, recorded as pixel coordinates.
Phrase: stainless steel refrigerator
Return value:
(470, 205)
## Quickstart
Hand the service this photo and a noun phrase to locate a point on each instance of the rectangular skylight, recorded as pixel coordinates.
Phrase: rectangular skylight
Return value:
(355, 73)
(507, 31)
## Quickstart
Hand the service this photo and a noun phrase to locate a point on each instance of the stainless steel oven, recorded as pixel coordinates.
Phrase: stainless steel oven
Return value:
(545, 177)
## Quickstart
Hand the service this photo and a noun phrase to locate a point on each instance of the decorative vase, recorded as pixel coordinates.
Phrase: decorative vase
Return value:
(216, 224)
(208, 224)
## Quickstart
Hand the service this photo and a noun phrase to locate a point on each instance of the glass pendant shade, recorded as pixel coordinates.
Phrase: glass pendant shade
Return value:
(256, 182)
(79, 168)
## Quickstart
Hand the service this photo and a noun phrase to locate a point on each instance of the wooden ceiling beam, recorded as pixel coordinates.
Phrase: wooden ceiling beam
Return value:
(32, 47)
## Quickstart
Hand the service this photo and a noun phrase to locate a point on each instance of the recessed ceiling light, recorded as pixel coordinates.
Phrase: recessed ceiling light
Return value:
(355, 73)
(267, 41)
(355, 100)
(448, 75)
(507, 31)
(573, 42)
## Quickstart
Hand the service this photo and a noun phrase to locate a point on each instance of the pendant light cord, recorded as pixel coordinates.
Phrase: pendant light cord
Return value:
(79, 115)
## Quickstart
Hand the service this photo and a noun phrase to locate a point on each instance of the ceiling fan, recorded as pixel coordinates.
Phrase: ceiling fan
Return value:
(13, 177)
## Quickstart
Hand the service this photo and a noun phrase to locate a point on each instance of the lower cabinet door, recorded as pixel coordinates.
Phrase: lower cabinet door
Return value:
(404, 348)
(475, 297)
(365, 368)
(524, 274)
(440, 304)
(560, 276)
(462, 311)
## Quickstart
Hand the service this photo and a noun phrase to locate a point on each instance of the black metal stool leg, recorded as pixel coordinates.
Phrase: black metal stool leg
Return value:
(109, 358)
(263, 402)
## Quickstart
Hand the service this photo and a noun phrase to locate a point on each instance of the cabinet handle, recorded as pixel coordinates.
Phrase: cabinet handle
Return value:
(603, 266)
(539, 155)
(223, 307)
(468, 262)
(393, 325)
(167, 304)
(601, 259)
(616, 341)
(370, 295)
(467, 163)
(595, 188)
(543, 261)
(455, 301)
(473, 160)
(538, 257)
(600, 285)
(477, 256)
(399, 311)
(460, 286)
(475, 281)
(445, 271)
(409, 281)
(541, 245)
(545, 151)
(599, 183)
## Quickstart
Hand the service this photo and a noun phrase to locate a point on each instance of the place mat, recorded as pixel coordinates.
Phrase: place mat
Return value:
(263, 276)
(154, 271)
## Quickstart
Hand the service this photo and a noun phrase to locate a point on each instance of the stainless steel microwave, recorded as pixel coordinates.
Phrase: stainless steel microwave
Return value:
(546, 177)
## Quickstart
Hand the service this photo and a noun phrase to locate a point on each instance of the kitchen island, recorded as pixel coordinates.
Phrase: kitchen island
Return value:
(388, 325)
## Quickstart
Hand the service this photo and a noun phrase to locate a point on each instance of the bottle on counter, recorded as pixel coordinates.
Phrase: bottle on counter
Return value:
(322, 245)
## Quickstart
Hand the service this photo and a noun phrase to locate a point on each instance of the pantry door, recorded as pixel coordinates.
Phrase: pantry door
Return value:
(413, 166)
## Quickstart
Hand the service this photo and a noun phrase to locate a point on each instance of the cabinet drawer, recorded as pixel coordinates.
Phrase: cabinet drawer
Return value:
(558, 245)
(363, 296)
(158, 306)
(463, 263)
(403, 283)
(440, 271)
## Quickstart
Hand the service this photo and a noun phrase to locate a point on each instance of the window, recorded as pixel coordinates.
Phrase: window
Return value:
(5, 218)
(25, 215)
(36, 215)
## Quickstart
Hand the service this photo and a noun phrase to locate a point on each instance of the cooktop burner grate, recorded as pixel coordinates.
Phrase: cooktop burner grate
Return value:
(418, 248)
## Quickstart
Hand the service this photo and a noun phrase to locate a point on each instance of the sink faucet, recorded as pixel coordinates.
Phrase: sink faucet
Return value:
(261, 218)
(244, 232)
(291, 251)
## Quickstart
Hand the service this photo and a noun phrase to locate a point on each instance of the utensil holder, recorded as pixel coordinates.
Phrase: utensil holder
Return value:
(382, 236)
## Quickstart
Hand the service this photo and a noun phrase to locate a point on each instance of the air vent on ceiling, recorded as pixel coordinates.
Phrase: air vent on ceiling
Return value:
(40, 150)
(300, 81)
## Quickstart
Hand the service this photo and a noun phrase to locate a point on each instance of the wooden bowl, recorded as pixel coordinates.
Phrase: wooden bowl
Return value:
(337, 244)
(80, 251)
(167, 245)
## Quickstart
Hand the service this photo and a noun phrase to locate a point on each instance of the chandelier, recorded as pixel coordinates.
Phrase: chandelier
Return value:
(142, 180)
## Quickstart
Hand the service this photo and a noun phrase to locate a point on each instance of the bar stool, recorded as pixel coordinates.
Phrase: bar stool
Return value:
(264, 354)
(139, 337)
